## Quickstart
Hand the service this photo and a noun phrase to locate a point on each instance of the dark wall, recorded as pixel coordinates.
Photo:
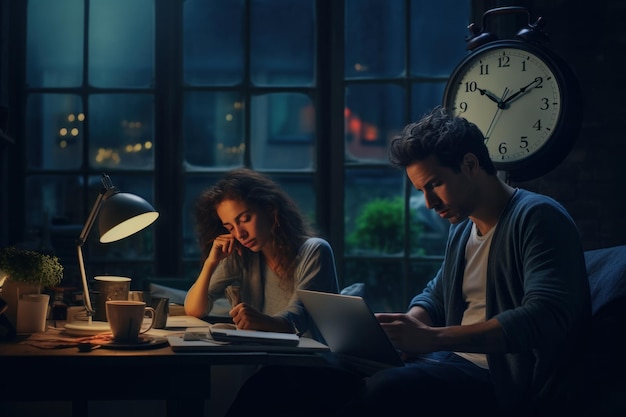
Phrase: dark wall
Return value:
(591, 181)
(5, 141)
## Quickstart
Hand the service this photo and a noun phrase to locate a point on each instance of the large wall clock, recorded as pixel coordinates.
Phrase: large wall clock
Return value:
(522, 96)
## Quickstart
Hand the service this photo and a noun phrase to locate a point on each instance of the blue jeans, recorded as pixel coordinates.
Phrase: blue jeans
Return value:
(441, 382)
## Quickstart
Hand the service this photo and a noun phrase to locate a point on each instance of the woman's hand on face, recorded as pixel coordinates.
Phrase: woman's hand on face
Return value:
(223, 246)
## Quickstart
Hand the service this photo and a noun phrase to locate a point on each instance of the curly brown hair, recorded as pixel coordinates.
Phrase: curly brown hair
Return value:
(289, 228)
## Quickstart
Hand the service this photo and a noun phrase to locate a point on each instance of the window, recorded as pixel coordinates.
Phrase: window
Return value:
(165, 96)
(398, 56)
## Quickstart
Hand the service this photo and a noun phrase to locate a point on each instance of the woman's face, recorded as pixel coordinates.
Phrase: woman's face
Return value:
(249, 227)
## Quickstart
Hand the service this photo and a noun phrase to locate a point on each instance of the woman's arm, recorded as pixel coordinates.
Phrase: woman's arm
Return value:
(316, 271)
(197, 299)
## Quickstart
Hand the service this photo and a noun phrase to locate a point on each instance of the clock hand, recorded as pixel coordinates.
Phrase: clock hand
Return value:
(489, 94)
(522, 90)
(495, 117)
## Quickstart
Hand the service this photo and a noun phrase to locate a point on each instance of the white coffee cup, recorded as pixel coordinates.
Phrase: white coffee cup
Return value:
(126, 318)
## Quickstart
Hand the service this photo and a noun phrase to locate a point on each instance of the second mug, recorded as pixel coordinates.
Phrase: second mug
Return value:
(126, 319)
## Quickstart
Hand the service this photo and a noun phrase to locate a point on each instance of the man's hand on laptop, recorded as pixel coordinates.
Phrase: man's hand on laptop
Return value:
(407, 333)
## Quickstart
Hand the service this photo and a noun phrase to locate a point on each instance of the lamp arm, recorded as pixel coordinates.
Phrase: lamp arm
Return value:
(83, 276)
(107, 190)
(81, 241)
(92, 218)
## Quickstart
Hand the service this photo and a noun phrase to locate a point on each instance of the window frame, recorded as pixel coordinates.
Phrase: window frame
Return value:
(329, 101)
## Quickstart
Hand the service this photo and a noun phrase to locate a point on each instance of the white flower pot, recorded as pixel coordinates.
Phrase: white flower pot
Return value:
(12, 291)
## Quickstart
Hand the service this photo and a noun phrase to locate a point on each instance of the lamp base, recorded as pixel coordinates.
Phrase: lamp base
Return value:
(87, 328)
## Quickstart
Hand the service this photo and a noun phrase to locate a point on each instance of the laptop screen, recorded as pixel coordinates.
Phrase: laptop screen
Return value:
(350, 327)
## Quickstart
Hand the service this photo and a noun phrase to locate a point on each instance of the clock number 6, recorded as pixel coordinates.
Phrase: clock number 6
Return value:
(523, 145)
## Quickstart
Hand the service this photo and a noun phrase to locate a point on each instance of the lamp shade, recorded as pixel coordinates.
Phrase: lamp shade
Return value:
(124, 214)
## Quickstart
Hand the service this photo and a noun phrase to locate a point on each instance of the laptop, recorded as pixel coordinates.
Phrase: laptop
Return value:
(351, 330)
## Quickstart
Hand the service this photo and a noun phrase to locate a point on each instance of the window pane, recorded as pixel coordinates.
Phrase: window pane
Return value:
(374, 114)
(194, 186)
(374, 38)
(213, 125)
(302, 190)
(57, 198)
(55, 202)
(383, 283)
(121, 131)
(433, 230)
(54, 38)
(121, 43)
(374, 211)
(283, 128)
(282, 42)
(425, 96)
(54, 133)
(213, 42)
(438, 54)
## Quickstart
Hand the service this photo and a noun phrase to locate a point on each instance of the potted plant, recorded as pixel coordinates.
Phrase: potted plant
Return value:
(24, 271)
(23, 265)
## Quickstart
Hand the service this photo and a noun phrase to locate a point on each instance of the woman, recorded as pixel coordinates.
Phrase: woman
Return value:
(255, 239)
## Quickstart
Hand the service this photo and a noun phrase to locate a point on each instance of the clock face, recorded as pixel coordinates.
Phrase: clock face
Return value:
(513, 96)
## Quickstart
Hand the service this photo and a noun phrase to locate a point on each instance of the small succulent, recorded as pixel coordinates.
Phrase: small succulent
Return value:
(23, 265)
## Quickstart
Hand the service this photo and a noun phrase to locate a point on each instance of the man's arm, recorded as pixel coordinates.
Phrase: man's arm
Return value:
(483, 337)
(413, 334)
(420, 313)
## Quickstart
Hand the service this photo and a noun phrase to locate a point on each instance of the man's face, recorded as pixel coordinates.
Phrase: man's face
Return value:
(447, 192)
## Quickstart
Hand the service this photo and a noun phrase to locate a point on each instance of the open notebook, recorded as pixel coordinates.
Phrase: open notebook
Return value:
(351, 330)
(218, 338)
(253, 336)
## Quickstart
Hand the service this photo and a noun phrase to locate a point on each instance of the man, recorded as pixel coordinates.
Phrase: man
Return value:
(512, 295)
(500, 329)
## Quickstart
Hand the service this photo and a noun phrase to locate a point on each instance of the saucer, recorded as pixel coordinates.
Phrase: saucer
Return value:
(144, 342)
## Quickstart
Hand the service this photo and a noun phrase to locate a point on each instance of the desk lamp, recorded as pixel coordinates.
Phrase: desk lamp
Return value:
(120, 215)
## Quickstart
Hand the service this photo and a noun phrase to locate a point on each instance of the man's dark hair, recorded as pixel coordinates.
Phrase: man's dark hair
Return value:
(443, 135)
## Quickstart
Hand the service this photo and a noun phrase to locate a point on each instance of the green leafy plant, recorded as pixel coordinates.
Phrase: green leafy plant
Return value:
(380, 227)
(23, 265)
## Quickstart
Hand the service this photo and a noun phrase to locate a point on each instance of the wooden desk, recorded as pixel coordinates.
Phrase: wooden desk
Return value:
(183, 380)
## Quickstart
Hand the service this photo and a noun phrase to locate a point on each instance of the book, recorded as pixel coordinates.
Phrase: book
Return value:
(197, 339)
(253, 336)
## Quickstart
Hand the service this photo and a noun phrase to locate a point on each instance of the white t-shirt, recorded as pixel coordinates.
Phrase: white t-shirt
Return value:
(474, 286)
